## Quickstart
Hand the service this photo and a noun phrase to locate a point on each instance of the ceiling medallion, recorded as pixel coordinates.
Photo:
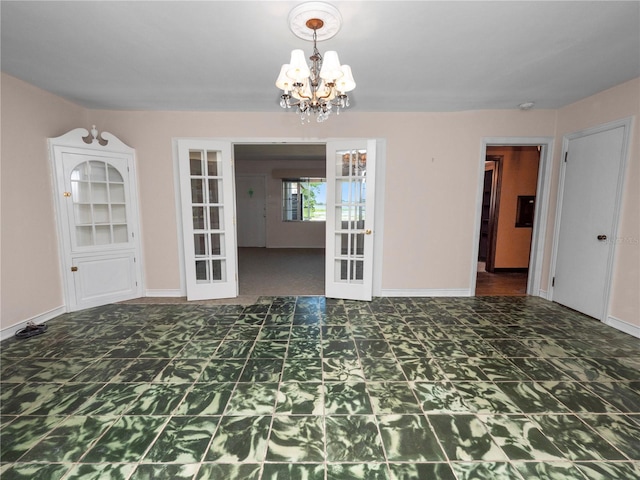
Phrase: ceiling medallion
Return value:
(323, 86)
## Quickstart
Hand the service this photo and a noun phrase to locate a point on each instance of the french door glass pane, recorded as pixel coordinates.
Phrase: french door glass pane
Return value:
(195, 162)
(216, 244)
(213, 164)
(202, 270)
(99, 204)
(208, 231)
(215, 218)
(218, 270)
(200, 244)
(349, 271)
(214, 190)
(350, 214)
(197, 190)
(198, 218)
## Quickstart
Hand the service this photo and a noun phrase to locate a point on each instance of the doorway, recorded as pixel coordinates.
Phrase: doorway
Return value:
(277, 257)
(511, 185)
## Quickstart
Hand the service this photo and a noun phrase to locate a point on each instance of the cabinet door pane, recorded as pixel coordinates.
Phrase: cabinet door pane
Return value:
(99, 204)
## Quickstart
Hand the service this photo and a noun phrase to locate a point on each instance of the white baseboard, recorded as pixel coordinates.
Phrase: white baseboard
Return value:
(429, 292)
(164, 293)
(38, 319)
(623, 326)
(543, 294)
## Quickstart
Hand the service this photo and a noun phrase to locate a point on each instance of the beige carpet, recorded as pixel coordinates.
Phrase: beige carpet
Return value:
(281, 271)
(266, 272)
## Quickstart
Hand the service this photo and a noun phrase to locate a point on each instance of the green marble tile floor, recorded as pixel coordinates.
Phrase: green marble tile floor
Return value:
(310, 388)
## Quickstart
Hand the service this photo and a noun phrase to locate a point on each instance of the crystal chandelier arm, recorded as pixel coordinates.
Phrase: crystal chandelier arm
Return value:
(330, 92)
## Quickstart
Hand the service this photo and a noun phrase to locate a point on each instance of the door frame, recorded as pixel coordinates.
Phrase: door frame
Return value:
(543, 192)
(626, 123)
(494, 209)
(379, 195)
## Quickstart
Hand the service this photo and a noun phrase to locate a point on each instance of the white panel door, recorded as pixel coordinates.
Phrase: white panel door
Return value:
(208, 219)
(590, 195)
(98, 220)
(251, 210)
(350, 218)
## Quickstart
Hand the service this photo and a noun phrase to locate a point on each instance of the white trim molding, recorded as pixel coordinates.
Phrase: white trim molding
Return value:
(38, 319)
(623, 326)
(429, 292)
(544, 294)
(157, 293)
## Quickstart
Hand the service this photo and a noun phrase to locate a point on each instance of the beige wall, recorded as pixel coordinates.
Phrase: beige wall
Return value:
(433, 165)
(30, 270)
(281, 234)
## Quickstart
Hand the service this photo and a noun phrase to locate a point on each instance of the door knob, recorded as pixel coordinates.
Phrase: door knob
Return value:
(367, 231)
(602, 237)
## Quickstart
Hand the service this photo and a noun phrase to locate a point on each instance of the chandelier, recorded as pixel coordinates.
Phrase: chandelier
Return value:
(321, 87)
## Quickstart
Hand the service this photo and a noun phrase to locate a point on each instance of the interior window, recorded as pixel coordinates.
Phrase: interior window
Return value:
(304, 200)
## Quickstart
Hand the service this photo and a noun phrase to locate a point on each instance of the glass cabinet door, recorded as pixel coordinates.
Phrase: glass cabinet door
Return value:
(99, 204)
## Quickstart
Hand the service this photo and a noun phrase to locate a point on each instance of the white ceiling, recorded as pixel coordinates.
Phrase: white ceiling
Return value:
(405, 55)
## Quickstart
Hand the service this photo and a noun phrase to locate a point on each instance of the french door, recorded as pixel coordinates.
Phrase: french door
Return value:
(209, 227)
(208, 213)
(350, 219)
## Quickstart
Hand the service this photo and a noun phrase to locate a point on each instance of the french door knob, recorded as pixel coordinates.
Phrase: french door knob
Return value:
(602, 237)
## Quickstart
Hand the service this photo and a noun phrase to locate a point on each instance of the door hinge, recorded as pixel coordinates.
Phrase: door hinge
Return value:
(66, 194)
(565, 155)
(134, 260)
(553, 282)
(74, 269)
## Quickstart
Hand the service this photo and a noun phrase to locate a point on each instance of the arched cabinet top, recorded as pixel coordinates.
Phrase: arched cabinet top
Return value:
(83, 138)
